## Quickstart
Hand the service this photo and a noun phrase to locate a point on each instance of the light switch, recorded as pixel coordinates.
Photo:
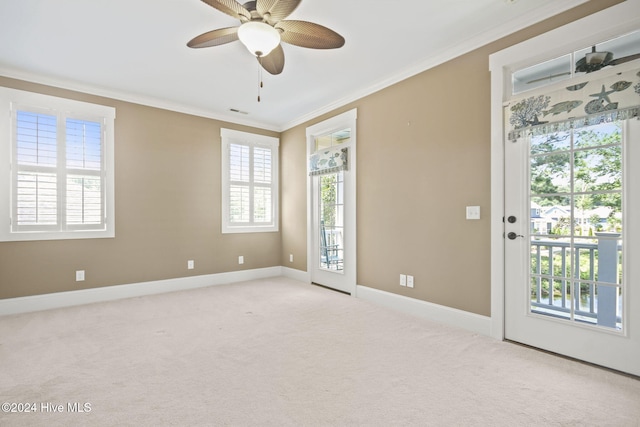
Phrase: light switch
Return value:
(473, 212)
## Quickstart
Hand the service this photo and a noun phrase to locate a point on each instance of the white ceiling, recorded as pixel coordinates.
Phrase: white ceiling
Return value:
(135, 50)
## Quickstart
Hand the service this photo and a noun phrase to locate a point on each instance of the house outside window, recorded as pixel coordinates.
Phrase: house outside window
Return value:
(58, 182)
(249, 182)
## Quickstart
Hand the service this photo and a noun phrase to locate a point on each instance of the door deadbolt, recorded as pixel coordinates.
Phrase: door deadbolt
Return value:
(512, 219)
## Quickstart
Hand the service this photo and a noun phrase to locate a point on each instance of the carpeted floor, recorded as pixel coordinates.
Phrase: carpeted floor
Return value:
(277, 352)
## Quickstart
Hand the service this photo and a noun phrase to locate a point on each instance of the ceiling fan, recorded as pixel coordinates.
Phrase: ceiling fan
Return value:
(262, 28)
(594, 61)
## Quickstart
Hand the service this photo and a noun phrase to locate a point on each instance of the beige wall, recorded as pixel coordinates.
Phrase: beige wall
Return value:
(414, 182)
(167, 202)
(423, 156)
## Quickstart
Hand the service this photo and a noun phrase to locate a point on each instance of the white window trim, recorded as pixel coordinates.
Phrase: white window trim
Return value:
(9, 99)
(233, 136)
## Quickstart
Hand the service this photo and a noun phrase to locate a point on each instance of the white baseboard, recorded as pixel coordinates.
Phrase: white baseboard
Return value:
(299, 275)
(110, 293)
(434, 312)
(437, 313)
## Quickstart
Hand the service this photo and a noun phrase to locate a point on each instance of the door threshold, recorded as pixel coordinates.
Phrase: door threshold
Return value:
(331, 289)
(604, 368)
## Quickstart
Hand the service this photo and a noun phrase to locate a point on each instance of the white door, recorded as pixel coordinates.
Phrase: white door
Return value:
(572, 243)
(331, 249)
(329, 231)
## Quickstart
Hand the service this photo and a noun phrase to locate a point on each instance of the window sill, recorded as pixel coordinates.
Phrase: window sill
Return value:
(26, 236)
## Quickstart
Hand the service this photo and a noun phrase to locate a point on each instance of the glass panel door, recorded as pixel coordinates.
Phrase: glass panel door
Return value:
(331, 230)
(576, 225)
(331, 204)
(570, 287)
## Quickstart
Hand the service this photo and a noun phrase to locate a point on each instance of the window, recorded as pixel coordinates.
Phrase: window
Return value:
(333, 139)
(576, 263)
(249, 182)
(58, 182)
(586, 60)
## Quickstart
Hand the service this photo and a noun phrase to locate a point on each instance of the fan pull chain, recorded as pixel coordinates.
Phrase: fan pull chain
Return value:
(259, 76)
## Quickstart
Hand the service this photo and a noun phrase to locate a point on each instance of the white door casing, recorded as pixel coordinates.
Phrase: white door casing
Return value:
(345, 279)
(615, 21)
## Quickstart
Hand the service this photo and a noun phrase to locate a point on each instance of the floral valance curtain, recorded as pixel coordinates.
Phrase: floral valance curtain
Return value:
(329, 161)
(615, 97)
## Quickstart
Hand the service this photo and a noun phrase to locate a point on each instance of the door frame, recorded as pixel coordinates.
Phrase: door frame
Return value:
(341, 121)
(609, 23)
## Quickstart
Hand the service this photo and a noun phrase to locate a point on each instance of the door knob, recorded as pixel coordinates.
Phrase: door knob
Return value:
(513, 236)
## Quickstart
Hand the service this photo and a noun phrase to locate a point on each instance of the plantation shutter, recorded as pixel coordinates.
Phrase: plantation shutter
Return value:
(262, 168)
(36, 180)
(239, 179)
(250, 177)
(249, 182)
(84, 187)
(59, 173)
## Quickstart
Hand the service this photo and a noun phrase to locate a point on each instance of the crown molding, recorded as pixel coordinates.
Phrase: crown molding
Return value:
(444, 55)
(132, 98)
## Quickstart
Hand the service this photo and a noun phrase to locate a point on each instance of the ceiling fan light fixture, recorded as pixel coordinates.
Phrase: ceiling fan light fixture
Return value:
(259, 38)
(596, 58)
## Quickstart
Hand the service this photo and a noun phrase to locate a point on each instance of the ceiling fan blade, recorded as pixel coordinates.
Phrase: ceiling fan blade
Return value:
(310, 35)
(214, 38)
(624, 59)
(276, 10)
(231, 8)
(274, 62)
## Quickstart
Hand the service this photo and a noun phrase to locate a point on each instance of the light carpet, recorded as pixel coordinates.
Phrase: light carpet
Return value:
(277, 352)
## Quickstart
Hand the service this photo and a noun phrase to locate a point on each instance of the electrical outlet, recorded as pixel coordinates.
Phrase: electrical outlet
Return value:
(403, 280)
(290, 257)
(80, 276)
(473, 212)
(241, 259)
(190, 264)
(409, 281)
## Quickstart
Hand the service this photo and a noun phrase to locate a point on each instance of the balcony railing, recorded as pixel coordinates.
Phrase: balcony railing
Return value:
(582, 278)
